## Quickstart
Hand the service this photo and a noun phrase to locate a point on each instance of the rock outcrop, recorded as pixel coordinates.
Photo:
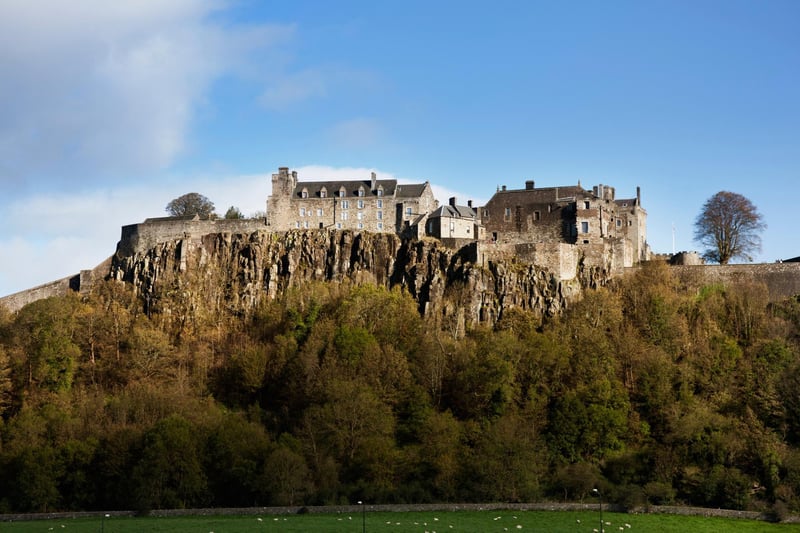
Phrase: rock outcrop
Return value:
(236, 271)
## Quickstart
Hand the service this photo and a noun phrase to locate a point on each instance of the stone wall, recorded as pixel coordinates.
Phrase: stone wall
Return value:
(80, 282)
(139, 237)
(782, 279)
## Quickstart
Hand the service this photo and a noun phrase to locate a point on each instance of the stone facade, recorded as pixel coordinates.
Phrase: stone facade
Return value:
(453, 221)
(378, 206)
(609, 233)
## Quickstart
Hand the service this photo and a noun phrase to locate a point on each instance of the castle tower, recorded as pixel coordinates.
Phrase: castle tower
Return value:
(279, 202)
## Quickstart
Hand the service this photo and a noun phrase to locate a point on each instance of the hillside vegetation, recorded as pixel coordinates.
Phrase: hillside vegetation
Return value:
(652, 391)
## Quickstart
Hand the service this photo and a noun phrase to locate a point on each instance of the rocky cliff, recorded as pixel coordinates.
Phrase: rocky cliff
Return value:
(235, 271)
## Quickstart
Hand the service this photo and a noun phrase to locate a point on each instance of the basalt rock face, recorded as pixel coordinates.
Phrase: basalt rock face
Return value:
(234, 272)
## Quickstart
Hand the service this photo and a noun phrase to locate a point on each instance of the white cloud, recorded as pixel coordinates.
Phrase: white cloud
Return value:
(95, 86)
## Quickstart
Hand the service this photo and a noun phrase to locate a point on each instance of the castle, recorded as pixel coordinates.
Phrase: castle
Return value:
(381, 206)
(558, 229)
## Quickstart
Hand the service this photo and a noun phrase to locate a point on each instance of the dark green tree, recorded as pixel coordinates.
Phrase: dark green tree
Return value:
(191, 204)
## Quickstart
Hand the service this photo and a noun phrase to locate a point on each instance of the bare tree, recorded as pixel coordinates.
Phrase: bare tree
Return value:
(191, 204)
(729, 227)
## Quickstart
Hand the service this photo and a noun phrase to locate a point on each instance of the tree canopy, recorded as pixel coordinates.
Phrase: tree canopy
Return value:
(655, 390)
(191, 204)
(729, 227)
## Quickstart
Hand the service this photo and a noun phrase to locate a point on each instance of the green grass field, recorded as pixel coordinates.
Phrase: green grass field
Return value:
(439, 522)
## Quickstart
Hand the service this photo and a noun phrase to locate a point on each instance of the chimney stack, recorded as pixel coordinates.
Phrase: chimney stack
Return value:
(504, 188)
(452, 201)
(529, 185)
(374, 181)
(469, 204)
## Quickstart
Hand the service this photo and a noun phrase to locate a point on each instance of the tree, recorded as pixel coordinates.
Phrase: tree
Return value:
(729, 226)
(191, 204)
(233, 213)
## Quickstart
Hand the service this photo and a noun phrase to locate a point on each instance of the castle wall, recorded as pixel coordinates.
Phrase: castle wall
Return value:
(560, 259)
(139, 237)
(782, 279)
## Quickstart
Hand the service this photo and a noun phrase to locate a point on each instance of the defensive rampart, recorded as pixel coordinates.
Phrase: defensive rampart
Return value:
(782, 279)
(137, 238)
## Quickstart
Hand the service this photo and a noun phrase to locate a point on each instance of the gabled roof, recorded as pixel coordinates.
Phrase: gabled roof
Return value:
(351, 187)
(457, 211)
(411, 190)
(541, 194)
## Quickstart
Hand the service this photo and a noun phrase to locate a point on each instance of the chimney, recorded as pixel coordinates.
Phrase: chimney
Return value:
(469, 204)
(638, 196)
(529, 185)
(283, 171)
(452, 201)
(504, 188)
(374, 180)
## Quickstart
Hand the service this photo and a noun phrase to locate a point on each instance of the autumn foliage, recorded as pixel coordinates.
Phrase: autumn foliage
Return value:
(654, 391)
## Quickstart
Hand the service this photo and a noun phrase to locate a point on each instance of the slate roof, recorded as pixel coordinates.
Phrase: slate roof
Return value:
(351, 188)
(458, 211)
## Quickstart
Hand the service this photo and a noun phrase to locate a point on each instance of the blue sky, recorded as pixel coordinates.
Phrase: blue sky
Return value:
(108, 110)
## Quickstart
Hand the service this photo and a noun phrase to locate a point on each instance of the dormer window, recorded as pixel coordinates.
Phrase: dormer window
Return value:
(380, 190)
(304, 193)
(342, 192)
(361, 191)
(323, 193)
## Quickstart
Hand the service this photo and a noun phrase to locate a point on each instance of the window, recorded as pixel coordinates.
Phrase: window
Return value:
(360, 225)
(361, 191)
(344, 215)
(338, 225)
(361, 204)
(345, 204)
(302, 211)
(586, 204)
(380, 191)
(380, 215)
(359, 215)
(341, 192)
(537, 215)
(584, 227)
(619, 222)
(323, 193)
(408, 211)
(380, 204)
(305, 224)
(304, 193)
(297, 224)
(508, 211)
(380, 225)
(320, 212)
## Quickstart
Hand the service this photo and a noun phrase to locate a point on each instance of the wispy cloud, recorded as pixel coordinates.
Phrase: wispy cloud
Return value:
(356, 133)
(94, 87)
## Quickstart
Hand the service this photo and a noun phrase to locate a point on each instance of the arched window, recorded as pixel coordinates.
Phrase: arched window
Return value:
(380, 190)
(304, 193)
(323, 193)
(342, 192)
(361, 191)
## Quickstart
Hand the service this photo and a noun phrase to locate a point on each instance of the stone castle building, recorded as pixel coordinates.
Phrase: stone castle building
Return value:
(606, 231)
(380, 206)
